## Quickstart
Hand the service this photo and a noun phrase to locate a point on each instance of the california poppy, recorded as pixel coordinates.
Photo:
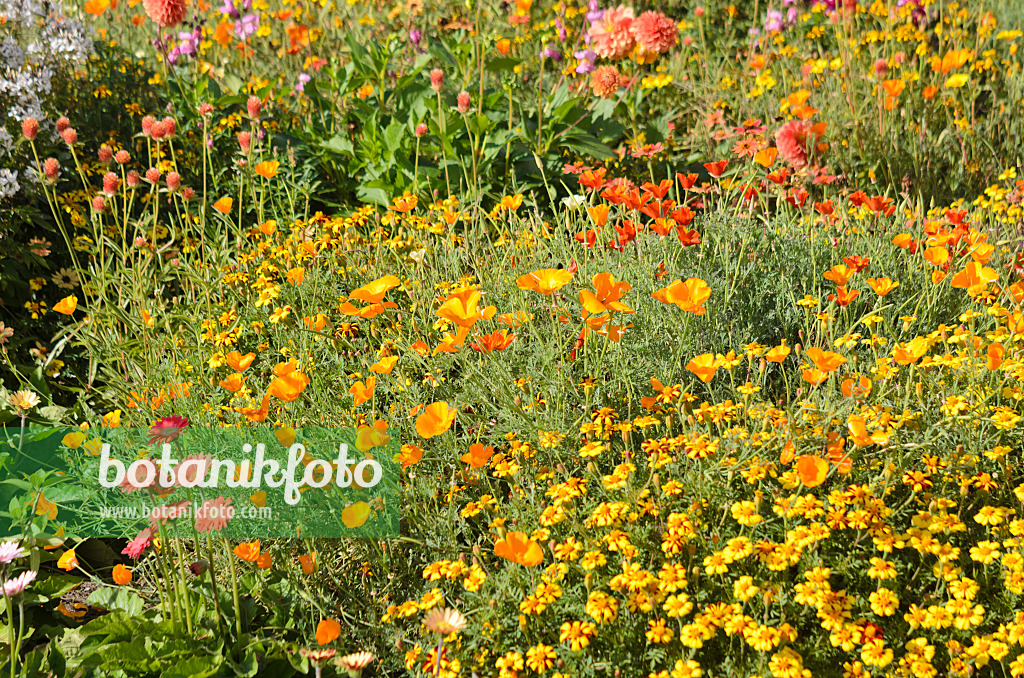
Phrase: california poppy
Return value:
(362, 392)
(519, 548)
(67, 305)
(248, 551)
(224, 204)
(478, 455)
(826, 361)
(327, 630)
(384, 365)
(812, 470)
(121, 575)
(239, 362)
(606, 298)
(355, 515)
(689, 296)
(498, 340)
(545, 281)
(704, 366)
(369, 437)
(267, 169)
(435, 420)
(68, 561)
(373, 292)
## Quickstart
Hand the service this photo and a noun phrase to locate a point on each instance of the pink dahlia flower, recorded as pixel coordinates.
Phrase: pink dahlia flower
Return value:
(655, 32)
(791, 140)
(611, 37)
(165, 13)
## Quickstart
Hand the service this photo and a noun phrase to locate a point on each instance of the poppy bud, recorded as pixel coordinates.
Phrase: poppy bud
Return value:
(919, 389)
(591, 467)
(692, 550)
(588, 581)
(657, 481)
(476, 549)
(758, 499)
(963, 490)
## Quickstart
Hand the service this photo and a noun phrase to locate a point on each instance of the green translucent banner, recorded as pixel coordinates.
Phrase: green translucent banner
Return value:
(243, 483)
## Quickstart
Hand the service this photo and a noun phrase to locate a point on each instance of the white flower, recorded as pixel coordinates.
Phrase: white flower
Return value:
(574, 202)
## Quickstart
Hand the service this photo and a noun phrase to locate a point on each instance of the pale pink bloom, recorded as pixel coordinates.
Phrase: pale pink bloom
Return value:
(13, 587)
(611, 37)
(9, 550)
(214, 514)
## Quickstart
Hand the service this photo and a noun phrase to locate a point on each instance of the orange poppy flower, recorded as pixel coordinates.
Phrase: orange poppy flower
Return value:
(461, 308)
(936, 256)
(96, 7)
(840, 274)
(121, 575)
(478, 455)
(516, 319)
(296, 275)
(498, 340)
(826, 361)
(289, 386)
(882, 286)
(893, 87)
(994, 353)
(435, 420)
(264, 561)
(503, 46)
(911, 351)
(67, 305)
(688, 296)
(362, 392)
(813, 376)
(239, 362)
(716, 169)
(778, 353)
(233, 382)
(355, 514)
(385, 365)
(788, 452)
(259, 499)
(224, 204)
(859, 435)
(254, 413)
(267, 169)
(68, 561)
(369, 437)
(409, 455)
(704, 366)
(812, 470)
(327, 630)
(517, 547)
(859, 388)
(545, 281)
(974, 277)
(248, 551)
(843, 296)
(607, 297)
(599, 214)
(373, 292)
(766, 156)
(309, 566)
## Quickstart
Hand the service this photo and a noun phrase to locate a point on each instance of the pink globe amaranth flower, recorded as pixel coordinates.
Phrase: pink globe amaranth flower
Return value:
(464, 102)
(30, 128)
(122, 157)
(133, 179)
(611, 37)
(62, 124)
(188, 193)
(165, 13)
(791, 140)
(167, 429)
(605, 81)
(698, 12)
(655, 32)
(70, 136)
(13, 587)
(147, 125)
(152, 175)
(205, 109)
(111, 182)
(140, 241)
(105, 154)
(51, 168)
(244, 140)
(99, 203)
(881, 66)
(421, 129)
(173, 181)
(170, 126)
(158, 130)
(214, 514)
(253, 106)
(436, 79)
